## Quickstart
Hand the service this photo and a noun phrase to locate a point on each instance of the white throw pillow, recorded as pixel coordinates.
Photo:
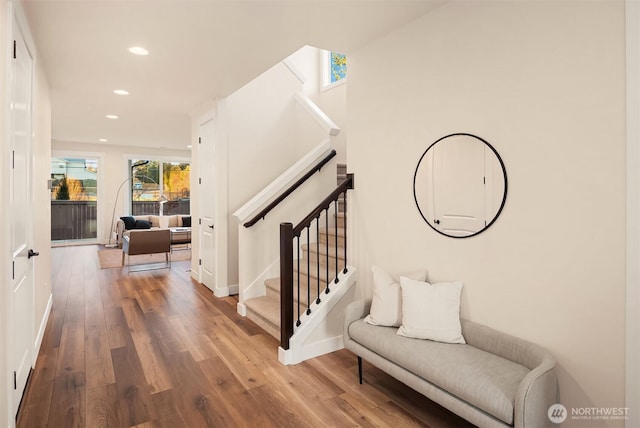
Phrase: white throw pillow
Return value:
(386, 305)
(431, 311)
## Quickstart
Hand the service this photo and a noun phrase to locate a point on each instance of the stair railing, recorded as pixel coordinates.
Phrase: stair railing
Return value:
(290, 238)
(316, 168)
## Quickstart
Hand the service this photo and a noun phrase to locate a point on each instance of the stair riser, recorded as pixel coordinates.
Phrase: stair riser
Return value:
(275, 293)
(313, 258)
(303, 300)
(332, 239)
(266, 325)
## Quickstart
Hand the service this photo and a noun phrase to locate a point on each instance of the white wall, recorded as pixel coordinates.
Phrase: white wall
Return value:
(112, 171)
(333, 102)
(263, 140)
(632, 368)
(544, 83)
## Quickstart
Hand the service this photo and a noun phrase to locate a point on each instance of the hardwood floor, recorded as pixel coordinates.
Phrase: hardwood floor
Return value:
(157, 349)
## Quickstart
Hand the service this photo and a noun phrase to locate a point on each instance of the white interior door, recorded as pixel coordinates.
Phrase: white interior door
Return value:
(459, 186)
(206, 190)
(21, 332)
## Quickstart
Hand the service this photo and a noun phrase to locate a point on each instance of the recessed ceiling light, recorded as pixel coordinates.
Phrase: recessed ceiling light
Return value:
(121, 92)
(137, 50)
(111, 116)
(103, 140)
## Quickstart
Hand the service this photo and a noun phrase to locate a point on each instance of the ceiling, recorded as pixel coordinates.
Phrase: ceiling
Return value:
(199, 51)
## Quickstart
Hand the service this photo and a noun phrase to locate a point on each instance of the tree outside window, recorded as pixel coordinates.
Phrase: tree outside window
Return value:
(155, 182)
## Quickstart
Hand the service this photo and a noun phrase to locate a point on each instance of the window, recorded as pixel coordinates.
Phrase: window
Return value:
(334, 66)
(338, 66)
(159, 187)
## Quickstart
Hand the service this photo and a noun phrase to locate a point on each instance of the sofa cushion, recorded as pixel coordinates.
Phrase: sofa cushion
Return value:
(431, 311)
(482, 379)
(386, 306)
(155, 220)
(174, 221)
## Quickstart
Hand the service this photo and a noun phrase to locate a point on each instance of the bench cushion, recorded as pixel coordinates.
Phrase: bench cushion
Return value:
(482, 379)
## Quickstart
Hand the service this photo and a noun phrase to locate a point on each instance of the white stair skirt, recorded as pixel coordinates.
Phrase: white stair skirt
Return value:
(321, 331)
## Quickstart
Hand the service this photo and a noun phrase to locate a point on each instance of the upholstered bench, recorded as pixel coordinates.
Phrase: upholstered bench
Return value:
(494, 380)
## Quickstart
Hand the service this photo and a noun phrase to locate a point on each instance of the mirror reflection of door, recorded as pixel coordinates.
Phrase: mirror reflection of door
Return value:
(460, 185)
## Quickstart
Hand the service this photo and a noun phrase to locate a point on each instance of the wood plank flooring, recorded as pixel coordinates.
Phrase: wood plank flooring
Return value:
(157, 349)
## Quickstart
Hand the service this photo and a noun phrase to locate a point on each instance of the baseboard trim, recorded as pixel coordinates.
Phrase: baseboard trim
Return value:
(242, 309)
(43, 326)
(306, 352)
(226, 291)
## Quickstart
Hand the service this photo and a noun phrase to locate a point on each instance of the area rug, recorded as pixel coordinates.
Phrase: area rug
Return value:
(112, 257)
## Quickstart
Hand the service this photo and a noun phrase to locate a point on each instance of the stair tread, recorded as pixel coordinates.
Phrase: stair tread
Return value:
(331, 231)
(267, 307)
(273, 284)
(323, 249)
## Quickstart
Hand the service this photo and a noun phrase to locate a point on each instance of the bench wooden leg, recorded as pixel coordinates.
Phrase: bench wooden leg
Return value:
(360, 369)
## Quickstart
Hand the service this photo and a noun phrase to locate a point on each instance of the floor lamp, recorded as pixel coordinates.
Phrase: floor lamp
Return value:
(115, 203)
(113, 214)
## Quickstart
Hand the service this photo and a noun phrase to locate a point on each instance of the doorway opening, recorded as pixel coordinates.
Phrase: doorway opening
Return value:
(74, 199)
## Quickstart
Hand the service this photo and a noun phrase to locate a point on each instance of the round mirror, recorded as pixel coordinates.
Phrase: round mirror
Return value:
(460, 185)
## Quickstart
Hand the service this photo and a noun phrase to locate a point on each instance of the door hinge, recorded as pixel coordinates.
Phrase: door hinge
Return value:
(15, 380)
(200, 262)
(15, 50)
(13, 159)
(199, 140)
(13, 270)
(199, 221)
(199, 180)
(484, 180)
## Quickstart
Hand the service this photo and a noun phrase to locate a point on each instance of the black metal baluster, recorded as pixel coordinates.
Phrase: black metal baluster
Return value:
(344, 228)
(298, 322)
(308, 274)
(318, 259)
(326, 223)
(335, 206)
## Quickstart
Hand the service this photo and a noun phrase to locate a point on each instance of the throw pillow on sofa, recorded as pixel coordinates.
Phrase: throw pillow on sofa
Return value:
(386, 305)
(129, 222)
(186, 221)
(142, 224)
(431, 311)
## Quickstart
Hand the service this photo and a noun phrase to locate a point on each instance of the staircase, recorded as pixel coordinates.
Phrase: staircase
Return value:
(265, 310)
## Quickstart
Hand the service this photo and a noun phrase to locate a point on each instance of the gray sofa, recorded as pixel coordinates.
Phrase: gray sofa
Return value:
(495, 380)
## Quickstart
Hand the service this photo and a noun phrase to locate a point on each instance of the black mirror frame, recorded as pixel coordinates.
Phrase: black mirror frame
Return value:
(504, 175)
